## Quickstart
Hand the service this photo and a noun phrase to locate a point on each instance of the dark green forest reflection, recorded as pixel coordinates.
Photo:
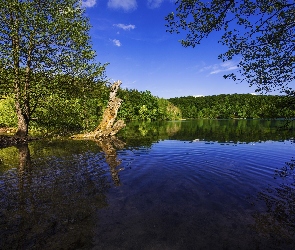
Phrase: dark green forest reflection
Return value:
(145, 133)
(50, 202)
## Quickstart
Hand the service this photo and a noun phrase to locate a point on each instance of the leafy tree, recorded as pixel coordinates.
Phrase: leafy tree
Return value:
(44, 48)
(62, 114)
(260, 32)
(167, 111)
(142, 105)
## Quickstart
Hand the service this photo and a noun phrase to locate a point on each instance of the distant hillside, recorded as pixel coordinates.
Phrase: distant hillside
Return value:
(227, 106)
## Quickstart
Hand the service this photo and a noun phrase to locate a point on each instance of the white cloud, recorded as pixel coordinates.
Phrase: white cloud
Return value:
(117, 42)
(206, 68)
(222, 70)
(222, 67)
(88, 3)
(154, 3)
(124, 4)
(125, 26)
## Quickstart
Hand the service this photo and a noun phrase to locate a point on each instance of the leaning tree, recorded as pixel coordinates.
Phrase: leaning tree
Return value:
(45, 49)
(260, 33)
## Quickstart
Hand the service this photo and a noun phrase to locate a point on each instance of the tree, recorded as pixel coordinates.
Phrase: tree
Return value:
(260, 32)
(44, 48)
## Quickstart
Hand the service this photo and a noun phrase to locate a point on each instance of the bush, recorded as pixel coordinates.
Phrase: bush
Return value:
(7, 113)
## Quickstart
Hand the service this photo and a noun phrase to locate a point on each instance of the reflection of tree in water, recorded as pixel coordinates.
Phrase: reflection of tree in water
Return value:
(278, 222)
(51, 203)
(109, 146)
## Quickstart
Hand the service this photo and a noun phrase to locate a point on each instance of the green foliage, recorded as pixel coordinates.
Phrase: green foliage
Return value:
(7, 113)
(71, 114)
(44, 49)
(236, 106)
(167, 111)
(58, 114)
(142, 105)
(259, 33)
(67, 113)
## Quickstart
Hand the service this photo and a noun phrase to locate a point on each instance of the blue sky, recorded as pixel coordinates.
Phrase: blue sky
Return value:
(131, 36)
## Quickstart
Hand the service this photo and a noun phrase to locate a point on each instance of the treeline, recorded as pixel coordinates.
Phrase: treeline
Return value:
(228, 106)
(60, 113)
(142, 105)
(66, 113)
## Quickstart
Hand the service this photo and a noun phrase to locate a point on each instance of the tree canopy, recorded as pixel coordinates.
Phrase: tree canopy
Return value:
(226, 106)
(260, 33)
(45, 48)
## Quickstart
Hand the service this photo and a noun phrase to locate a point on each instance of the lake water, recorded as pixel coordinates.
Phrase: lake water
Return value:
(204, 184)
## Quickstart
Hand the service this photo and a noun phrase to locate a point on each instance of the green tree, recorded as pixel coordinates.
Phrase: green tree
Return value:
(44, 48)
(260, 33)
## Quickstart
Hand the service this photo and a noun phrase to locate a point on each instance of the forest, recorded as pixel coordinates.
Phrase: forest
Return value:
(62, 114)
(229, 106)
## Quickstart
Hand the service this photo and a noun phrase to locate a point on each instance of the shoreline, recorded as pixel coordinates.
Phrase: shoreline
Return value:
(11, 140)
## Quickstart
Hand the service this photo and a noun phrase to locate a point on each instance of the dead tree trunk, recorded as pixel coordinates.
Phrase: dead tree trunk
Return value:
(108, 125)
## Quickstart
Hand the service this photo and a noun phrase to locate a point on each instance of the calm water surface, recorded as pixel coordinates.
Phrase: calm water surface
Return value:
(175, 185)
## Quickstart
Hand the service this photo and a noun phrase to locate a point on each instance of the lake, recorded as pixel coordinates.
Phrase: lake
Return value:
(197, 184)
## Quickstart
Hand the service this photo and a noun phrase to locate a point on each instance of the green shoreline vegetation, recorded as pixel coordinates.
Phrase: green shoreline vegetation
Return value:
(230, 106)
(63, 116)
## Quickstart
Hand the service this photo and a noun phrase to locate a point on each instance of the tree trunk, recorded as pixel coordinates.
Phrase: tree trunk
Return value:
(23, 122)
(108, 127)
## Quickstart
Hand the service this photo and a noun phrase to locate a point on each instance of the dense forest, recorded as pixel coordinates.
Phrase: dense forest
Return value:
(60, 113)
(84, 113)
(228, 106)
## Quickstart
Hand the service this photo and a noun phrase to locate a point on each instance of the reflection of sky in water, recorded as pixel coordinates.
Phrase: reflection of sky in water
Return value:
(232, 160)
(184, 194)
(171, 195)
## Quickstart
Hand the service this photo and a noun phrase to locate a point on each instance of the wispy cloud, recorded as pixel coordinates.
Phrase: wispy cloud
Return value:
(117, 43)
(126, 5)
(88, 3)
(221, 67)
(153, 4)
(124, 26)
